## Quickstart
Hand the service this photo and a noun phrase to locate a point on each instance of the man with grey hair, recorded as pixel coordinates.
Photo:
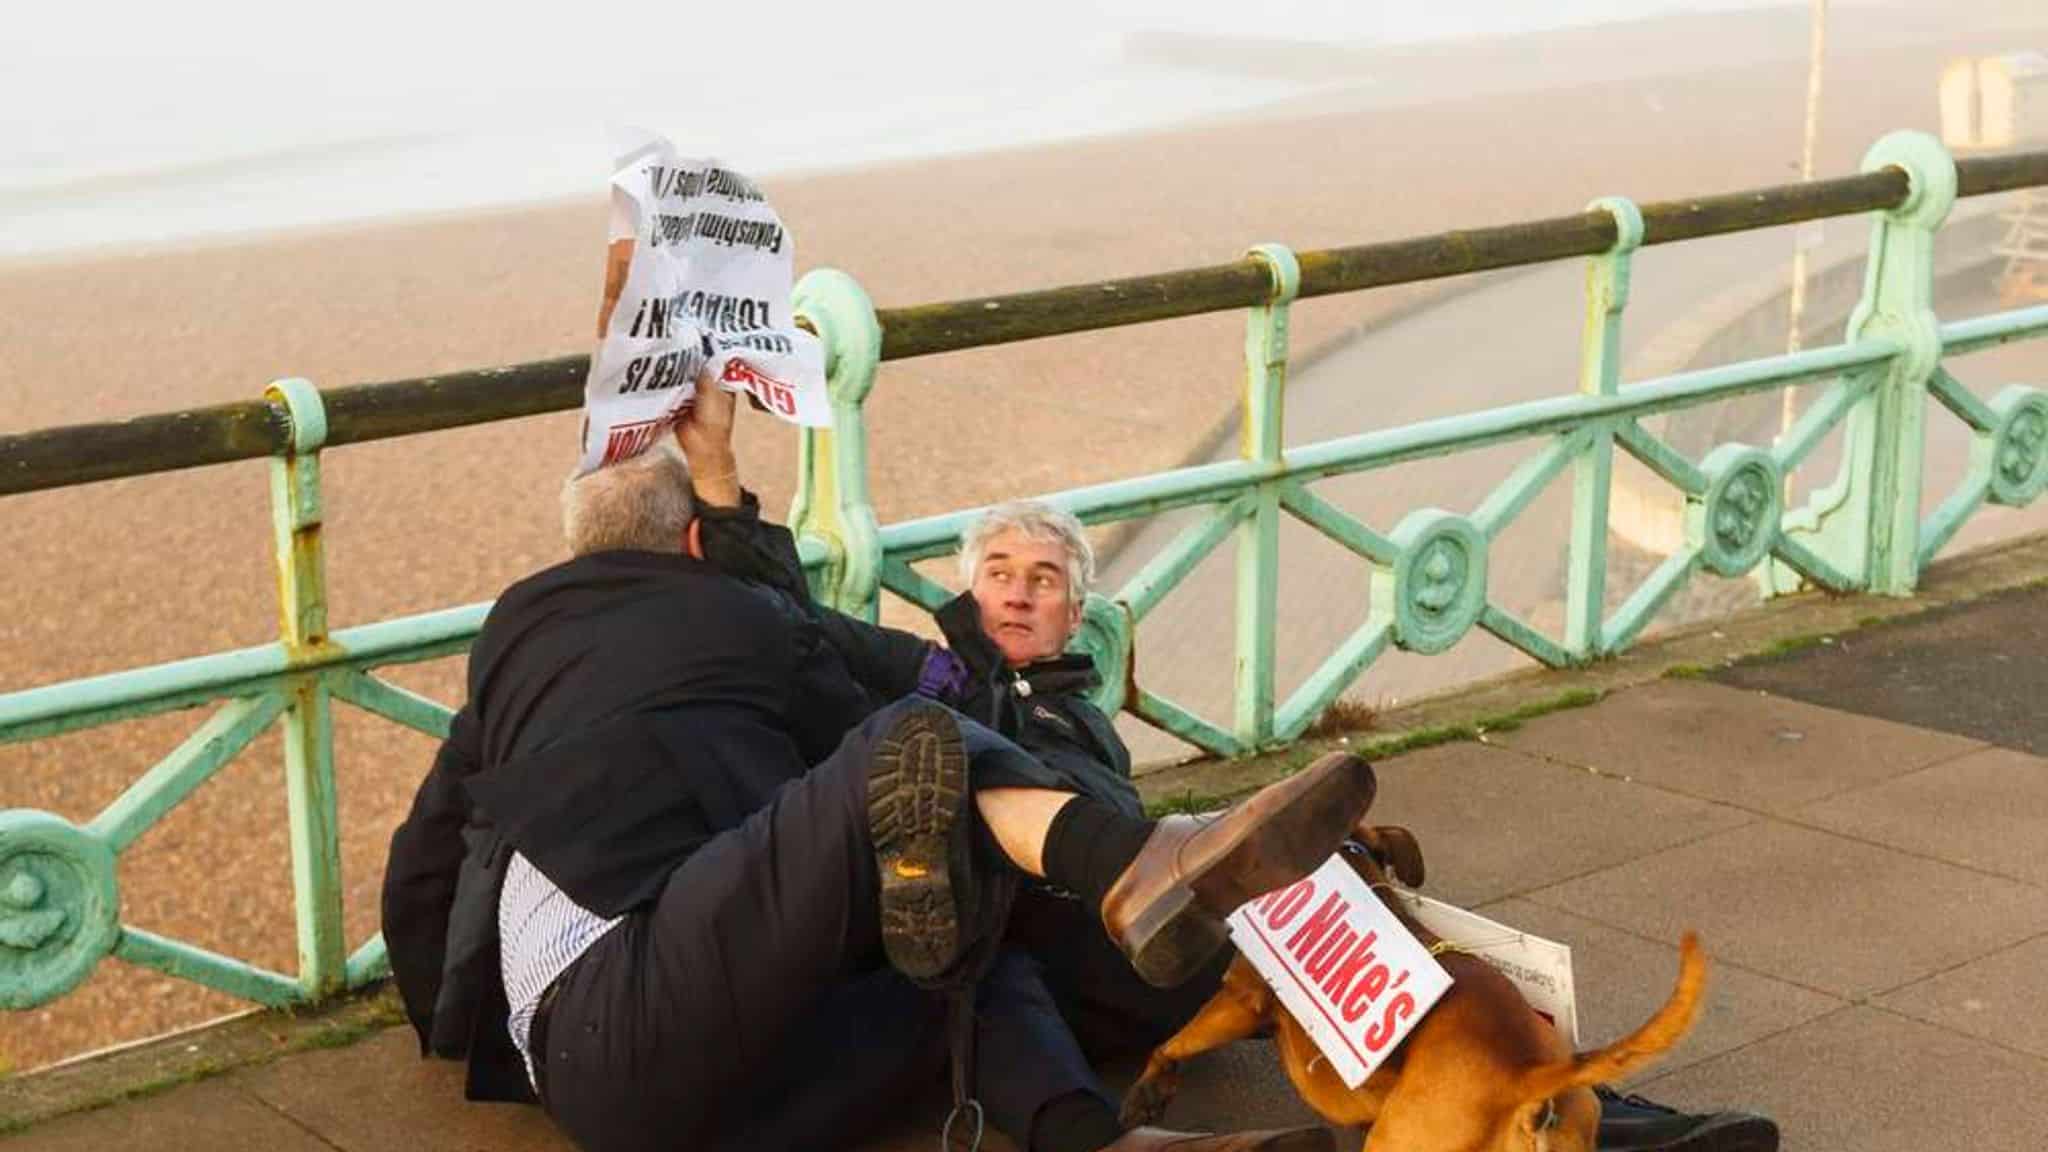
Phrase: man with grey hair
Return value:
(642, 504)
(1028, 568)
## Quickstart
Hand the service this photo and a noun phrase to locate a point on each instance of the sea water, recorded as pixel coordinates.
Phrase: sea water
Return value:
(133, 124)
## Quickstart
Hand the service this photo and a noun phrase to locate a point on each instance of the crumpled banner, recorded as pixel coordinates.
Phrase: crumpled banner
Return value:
(709, 283)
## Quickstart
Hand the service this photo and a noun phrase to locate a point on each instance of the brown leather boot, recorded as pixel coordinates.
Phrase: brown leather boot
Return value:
(1167, 910)
(1292, 1140)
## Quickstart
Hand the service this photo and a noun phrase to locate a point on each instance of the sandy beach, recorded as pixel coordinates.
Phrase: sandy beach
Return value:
(122, 574)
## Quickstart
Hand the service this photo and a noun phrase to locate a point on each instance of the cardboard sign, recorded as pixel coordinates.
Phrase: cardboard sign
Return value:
(1540, 969)
(1342, 964)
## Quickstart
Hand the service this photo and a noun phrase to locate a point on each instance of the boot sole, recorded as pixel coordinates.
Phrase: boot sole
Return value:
(917, 791)
(1173, 938)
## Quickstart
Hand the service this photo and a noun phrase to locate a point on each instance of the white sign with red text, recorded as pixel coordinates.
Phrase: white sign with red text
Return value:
(1541, 970)
(709, 285)
(1342, 964)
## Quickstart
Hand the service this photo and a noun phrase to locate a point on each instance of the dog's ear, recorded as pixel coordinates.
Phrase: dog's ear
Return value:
(1394, 847)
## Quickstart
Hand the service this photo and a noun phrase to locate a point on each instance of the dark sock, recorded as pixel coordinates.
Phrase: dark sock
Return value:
(1076, 1122)
(1088, 846)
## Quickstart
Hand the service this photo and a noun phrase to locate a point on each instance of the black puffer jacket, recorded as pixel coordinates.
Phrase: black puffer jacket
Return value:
(1044, 707)
(624, 707)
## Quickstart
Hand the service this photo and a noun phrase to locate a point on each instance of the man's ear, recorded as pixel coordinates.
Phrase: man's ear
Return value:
(1074, 611)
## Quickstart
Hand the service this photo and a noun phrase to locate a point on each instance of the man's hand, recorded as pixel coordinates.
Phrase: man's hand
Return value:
(704, 431)
(618, 258)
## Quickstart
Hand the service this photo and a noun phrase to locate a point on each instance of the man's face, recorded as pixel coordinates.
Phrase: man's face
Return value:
(1027, 606)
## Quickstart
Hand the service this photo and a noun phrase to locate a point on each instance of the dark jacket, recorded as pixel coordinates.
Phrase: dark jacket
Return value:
(1044, 707)
(624, 707)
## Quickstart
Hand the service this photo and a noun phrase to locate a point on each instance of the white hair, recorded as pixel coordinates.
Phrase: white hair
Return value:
(641, 503)
(1034, 520)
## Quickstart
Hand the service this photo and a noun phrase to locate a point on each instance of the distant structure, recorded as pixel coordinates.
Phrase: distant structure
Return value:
(2002, 102)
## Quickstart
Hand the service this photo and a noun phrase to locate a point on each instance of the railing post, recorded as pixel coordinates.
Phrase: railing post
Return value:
(1607, 282)
(1866, 523)
(308, 725)
(1258, 538)
(832, 502)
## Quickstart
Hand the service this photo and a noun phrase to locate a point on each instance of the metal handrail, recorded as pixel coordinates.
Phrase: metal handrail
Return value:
(247, 430)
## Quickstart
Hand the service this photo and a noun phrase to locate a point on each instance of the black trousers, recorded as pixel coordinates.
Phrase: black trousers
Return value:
(750, 1005)
(874, 1052)
(1115, 1016)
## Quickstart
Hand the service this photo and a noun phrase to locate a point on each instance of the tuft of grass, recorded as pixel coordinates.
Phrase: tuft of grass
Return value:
(156, 1086)
(1686, 672)
(1562, 702)
(339, 1036)
(1185, 804)
(1417, 739)
(1297, 756)
(203, 1070)
(1344, 715)
(1792, 644)
(1421, 738)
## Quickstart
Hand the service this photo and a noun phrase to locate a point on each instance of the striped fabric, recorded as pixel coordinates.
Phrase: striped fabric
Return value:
(540, 932)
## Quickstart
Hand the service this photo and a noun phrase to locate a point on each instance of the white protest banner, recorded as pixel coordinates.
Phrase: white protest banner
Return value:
(708, 285)
(1541, 970)
(1356, 979)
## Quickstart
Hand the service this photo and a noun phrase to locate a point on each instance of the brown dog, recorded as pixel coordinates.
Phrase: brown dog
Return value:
(1482, 1072)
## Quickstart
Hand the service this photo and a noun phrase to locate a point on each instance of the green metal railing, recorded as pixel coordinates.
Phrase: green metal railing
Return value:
(59, 898)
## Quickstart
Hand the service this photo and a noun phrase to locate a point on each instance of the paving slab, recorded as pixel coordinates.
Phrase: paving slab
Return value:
(2002, 997)
(378, 1095)
(1622, 978)
(1976, 668)
(211, 1116)
(1234, 1087)
(1238, 1086)
(1864, 1080)
(1987, 810)
(1738, 747)
(1832, 914)
(1493, 822)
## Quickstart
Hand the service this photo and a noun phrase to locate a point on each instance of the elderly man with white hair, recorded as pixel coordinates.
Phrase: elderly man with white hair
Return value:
(1028, 568)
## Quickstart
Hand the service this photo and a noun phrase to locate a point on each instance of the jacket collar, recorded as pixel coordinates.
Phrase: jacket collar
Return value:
(960, 620)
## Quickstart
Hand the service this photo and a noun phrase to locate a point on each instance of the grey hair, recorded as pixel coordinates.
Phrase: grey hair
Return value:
(1034, 520)
(642, 503)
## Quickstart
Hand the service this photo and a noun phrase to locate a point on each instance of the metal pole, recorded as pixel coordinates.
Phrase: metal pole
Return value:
(1607, 283)
(1258, 538)
(1815, 54)
(297, 516)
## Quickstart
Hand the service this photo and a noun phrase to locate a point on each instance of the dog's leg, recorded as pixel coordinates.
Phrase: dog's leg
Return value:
(1238, 1010)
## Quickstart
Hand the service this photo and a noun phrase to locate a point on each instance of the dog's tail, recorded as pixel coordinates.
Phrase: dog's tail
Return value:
(1638, 1048)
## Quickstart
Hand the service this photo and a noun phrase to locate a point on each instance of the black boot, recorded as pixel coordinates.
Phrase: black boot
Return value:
(918, 816)
(1633, 1124)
